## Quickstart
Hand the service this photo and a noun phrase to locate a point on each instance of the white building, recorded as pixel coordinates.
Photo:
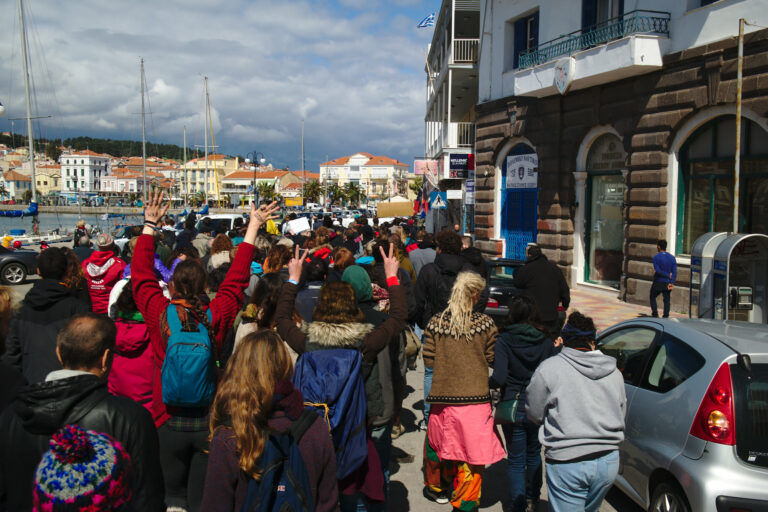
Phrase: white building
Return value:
(82, 171)
(15, 185)
(379, 177)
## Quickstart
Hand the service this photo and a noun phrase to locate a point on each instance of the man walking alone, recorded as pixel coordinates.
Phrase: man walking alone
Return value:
(664, 276)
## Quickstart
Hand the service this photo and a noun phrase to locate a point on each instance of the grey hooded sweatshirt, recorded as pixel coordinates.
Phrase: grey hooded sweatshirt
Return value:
(579, 399)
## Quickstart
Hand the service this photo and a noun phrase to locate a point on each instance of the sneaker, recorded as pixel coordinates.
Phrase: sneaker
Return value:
(397, 431)
(422, 425)
(440, 498)
(531, 505)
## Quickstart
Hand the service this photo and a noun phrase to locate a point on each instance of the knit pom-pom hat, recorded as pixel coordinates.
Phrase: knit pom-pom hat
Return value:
(82, 471)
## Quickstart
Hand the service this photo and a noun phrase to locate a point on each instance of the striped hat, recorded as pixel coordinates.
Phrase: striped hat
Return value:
(82, 471)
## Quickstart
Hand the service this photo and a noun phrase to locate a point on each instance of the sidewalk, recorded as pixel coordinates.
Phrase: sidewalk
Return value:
(606, 309)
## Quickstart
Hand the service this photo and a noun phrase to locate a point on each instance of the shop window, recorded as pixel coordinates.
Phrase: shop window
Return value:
(705, 190)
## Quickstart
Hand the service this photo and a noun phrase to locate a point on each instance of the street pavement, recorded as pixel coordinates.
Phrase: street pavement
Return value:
(406, 477)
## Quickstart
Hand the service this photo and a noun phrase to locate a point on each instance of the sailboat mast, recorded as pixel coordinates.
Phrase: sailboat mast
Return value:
(302, 162)
(186, 174)
(143, 137)
(30, 134)
(207, 114)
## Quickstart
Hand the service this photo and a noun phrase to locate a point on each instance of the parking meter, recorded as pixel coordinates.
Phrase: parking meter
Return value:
(740, 270)
(702, 257)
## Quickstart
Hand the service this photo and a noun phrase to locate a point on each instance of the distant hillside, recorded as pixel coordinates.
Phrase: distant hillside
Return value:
(110, 146)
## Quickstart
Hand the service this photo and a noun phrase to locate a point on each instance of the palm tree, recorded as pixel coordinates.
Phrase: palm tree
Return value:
(200, 197)
(352, 193)
(266, 191)
(312, 190)
(335, 192)
(3, 190)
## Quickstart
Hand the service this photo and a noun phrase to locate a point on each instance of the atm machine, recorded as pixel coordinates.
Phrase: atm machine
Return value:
(740, 270)
(702, 257)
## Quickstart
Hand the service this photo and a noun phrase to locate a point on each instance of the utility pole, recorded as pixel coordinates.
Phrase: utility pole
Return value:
(186, 175)
(207, 114)
(143, 138)
(737, 158)
(302, 162)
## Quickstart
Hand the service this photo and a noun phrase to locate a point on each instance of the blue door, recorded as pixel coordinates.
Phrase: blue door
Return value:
(519, 210)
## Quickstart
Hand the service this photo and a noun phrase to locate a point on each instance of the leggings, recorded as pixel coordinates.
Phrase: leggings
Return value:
(184, 463)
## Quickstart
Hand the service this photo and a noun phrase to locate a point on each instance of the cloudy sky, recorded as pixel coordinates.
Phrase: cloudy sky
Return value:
(353, 69)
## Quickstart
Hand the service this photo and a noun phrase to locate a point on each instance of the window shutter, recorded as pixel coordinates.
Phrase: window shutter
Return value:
(588, 14)
(621, 8)
(535, 35)
(520, 37)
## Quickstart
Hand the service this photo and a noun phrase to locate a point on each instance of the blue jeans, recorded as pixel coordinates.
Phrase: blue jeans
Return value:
(581, 486)
(523, 460)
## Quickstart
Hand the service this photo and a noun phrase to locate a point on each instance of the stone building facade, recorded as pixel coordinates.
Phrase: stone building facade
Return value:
(656, 119)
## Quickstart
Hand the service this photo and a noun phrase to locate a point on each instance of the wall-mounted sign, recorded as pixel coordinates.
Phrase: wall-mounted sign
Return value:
(428, 168)
(454, 194)
(460, 164)
(523, 171)
(606, 154)
(469, 189)
(565, 69)
(438, 200)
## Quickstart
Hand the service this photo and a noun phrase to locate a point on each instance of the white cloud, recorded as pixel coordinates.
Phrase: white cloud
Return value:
(355, 76)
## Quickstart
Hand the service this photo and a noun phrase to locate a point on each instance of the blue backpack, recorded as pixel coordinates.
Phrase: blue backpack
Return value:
(188, 374)
(284, 483)
(331, 380)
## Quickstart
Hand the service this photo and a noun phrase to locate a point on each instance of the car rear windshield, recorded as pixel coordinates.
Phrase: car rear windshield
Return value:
(751, 401)
(502, 273)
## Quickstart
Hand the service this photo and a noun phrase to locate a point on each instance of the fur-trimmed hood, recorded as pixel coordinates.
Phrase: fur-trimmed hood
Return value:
(326, 335)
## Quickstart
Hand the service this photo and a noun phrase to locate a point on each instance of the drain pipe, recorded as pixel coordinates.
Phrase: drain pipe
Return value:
(737, 158)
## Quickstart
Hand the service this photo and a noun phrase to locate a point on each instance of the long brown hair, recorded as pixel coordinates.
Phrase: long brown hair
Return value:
(74, 274)
(221, 243)
(188, 281)
(277, 257)
(245, 398)
(336, 304)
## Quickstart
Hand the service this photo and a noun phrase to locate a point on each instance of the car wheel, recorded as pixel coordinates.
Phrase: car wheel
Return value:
(14, 273)
(668, 497)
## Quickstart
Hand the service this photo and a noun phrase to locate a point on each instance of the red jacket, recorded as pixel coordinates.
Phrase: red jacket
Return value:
(132, 368)
(152, 303)
(102, 270)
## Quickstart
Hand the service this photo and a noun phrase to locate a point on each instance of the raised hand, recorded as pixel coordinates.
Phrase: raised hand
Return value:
(155, 209)
(296, 264)
(263, 213)
(391, 265)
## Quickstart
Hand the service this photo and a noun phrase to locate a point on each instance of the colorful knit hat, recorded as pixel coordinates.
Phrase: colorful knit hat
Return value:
(82, 471)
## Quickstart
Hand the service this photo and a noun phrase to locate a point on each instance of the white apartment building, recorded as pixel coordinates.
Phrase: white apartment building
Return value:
(379, 177)
(82, 171)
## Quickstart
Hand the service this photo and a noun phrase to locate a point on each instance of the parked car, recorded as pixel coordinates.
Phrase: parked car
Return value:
(123, 235)
(696, 437)
(16, 265)
(500, 273)
(222, 222)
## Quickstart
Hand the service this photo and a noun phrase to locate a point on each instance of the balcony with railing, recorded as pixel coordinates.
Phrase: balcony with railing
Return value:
(618, 48)
(631, 23)
(443, 137)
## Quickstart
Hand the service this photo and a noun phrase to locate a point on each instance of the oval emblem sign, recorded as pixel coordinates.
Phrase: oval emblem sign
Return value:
(564, 71)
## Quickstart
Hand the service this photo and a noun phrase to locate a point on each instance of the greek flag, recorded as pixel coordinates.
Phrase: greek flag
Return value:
(429, 21)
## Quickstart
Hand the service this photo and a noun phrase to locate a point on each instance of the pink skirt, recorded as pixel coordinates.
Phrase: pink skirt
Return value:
(465, 433)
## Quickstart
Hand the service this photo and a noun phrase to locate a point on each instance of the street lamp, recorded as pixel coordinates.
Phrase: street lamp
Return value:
(254, 158)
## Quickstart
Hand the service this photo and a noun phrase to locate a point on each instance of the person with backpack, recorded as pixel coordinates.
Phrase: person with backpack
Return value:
(186, 334)
(338, 373)
(522, 345)
(258, 417)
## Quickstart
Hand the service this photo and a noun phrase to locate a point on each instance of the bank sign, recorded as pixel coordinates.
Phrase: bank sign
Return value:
(523, 171)
(459, 165)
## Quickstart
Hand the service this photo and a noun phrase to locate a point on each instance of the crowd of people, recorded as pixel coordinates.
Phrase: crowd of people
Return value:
(262, 369)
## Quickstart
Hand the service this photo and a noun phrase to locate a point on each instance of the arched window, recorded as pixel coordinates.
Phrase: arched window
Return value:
(705, 193)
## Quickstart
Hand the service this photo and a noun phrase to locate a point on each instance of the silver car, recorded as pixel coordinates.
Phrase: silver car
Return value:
(697, 413)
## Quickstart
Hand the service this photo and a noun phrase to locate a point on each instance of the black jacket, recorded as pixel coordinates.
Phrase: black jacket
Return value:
(543, 281)
(31, 342)
(42, 408)
(11, 382)
(433, 286)
(519, 350)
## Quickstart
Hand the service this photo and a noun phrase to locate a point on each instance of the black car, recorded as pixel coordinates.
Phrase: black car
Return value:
(500, 273)
(16, 265)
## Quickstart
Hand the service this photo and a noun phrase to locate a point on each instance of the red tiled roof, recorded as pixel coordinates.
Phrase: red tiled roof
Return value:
(372, 160)
(88, 152)
(15, 176)
(292, 186)
(211, 158)
(307, 175)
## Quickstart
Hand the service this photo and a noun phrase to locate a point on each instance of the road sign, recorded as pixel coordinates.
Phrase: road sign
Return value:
(438, 200)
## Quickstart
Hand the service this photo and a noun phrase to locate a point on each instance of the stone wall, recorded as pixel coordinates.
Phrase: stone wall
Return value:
(646, 111)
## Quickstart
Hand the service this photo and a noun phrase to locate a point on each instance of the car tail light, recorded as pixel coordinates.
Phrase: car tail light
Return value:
(492, 303)
(715, 419)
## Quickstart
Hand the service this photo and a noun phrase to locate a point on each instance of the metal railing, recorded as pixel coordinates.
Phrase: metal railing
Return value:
(634, 22)
(465, 135)
(465, 51)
